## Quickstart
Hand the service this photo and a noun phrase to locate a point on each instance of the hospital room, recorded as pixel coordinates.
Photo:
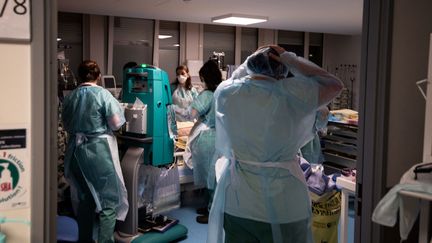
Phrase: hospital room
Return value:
(216, 121)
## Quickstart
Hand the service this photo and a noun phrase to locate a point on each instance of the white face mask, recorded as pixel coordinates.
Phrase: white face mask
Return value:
(182, 79)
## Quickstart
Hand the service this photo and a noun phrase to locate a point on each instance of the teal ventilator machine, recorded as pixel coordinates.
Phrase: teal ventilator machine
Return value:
(151, 86)
(145, 96)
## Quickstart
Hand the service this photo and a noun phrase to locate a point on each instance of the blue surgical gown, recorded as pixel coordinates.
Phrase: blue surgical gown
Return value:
(183, 98)
(261, 120)
(86, 114)
(203, 146)
(312, 150)
(265, 121)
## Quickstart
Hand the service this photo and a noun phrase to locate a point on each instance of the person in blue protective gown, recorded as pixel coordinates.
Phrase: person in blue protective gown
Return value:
(92, 167)
(312, 150)
(262, 120)
(183, 92)
(201, 141)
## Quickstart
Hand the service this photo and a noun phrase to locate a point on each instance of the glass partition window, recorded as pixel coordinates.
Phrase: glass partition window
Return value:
(292, 41)
(133, 42)
(219, 39)
(316, 48)
(249, 42)
(70, 39)
(169, 46)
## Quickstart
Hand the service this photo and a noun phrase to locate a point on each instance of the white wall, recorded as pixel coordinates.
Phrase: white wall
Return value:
(193, 42)
(15, 110)
(166, 63)
(98, 41)
(192, 49)
(343, 49)
(267, 37)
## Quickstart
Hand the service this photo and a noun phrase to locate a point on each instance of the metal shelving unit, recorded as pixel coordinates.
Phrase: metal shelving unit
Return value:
(340, 146)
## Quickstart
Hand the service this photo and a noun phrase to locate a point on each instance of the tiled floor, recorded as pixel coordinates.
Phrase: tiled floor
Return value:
(198, 232)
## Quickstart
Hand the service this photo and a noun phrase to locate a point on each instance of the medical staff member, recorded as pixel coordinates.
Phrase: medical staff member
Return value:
(184, 93)
(262, 120)
(312, 150)
(90, 114)
(201, 141)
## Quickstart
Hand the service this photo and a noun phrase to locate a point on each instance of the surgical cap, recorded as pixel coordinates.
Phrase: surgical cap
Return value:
(260, 63)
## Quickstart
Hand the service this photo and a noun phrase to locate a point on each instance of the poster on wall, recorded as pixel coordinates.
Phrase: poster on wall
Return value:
(14, 169)
(15, 20)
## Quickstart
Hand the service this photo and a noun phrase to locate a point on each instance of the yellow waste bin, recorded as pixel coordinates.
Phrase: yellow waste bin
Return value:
(325, 216)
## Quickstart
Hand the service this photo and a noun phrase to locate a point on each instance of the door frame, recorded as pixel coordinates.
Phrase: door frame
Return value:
(373, 119)
(43, 119)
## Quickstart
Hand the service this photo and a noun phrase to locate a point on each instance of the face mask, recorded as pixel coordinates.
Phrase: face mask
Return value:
(182, 79)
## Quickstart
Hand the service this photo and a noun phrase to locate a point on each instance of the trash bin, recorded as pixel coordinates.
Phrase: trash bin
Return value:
(326, 211)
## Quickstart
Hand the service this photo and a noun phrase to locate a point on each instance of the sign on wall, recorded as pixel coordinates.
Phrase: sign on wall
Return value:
(13, 138)
(15, 20)
(14, 170)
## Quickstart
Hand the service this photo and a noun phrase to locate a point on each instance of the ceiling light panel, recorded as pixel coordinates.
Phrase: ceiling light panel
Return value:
(239, 19)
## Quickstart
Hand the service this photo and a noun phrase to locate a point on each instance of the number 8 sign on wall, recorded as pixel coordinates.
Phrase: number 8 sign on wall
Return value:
(14, 20)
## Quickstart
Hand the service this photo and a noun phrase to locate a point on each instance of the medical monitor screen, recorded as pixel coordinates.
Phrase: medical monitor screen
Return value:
(109, 82)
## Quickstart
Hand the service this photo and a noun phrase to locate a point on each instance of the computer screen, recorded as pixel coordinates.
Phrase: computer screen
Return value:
(108, 82)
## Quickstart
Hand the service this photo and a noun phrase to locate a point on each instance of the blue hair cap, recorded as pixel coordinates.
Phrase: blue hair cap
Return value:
(260, 63)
